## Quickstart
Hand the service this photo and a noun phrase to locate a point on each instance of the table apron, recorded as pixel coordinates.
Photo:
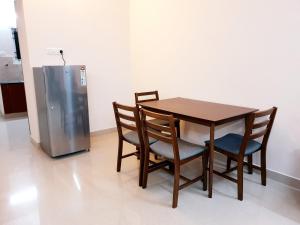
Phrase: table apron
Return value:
(198, 120)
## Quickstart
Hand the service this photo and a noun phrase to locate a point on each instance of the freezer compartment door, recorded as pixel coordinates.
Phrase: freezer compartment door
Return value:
(67, 106)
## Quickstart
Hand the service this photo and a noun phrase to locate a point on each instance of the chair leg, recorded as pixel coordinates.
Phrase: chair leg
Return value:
(228, 165)
(176, 186)
(263, 167)
(177, 125)
(120, 152)
(171, 168)
(145, 170)
(250, 164)
(139, 154)
(240, 179)
(204, 170)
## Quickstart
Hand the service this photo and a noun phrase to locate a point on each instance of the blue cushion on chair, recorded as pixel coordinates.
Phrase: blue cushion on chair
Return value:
(232, 143)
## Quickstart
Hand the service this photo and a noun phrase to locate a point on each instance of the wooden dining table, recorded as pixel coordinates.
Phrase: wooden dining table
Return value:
(201, 112)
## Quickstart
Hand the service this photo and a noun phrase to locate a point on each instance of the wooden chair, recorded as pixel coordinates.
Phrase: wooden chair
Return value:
(236, 147)
(141, 97)
(127, 118)
(175, 151)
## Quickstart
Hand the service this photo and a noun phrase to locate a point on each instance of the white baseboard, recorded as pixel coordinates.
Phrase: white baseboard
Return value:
(283, 178)
(274, 175)
(105, 131)
(21, 115)
(36, 144)
(93, 133)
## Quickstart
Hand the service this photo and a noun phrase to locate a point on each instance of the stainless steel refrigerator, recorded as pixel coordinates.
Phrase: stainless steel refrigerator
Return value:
(61, 94)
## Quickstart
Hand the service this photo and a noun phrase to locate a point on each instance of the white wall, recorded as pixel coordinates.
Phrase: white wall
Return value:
(94, 33)
(27, 72)
(237, 52)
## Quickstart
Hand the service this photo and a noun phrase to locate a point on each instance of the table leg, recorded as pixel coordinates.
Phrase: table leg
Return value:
(211, 159)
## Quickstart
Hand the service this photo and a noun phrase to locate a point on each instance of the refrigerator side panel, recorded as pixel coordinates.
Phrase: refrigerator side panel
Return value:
(39, 82)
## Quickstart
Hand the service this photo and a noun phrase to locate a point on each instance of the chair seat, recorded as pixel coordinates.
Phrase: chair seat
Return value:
(186, 149)
(133, 138)
(232, 143)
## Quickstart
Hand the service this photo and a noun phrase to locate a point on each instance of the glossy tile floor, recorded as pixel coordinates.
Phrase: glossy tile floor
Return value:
(85, 189)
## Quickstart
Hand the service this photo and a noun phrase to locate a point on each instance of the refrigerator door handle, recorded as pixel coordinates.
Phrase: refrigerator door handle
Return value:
(45, 83)
(51, 107)
(46, 92)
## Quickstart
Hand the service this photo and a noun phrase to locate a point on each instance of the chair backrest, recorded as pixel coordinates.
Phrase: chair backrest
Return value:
(146, 96)
(127, 117)
(259, 129)
(164, 133)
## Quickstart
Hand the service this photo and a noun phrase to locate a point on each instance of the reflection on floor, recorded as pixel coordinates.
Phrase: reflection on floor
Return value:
(85, 189)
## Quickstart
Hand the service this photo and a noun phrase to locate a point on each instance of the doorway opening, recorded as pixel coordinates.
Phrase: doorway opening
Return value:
(12, 92)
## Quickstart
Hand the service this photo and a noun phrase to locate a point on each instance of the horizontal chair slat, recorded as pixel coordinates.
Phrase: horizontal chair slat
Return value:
(258, 134)
(157, 126)
(146, 93)
(261, 124)
(147, 100)
(158, 116)
(127, 108)
(127, 126)
(263, 113)
(126, 117)
(161, 137)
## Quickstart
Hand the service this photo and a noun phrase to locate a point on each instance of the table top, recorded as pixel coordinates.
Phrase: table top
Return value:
(198, 111)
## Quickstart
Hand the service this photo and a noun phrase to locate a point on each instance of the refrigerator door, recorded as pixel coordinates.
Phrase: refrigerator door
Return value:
(67, 109)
